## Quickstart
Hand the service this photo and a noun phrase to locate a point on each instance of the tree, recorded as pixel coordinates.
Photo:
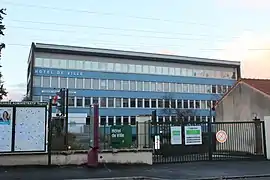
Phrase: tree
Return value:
(3, 91)
(183, 114)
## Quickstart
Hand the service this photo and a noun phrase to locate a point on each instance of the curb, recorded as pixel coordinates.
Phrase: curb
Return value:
(234, 177)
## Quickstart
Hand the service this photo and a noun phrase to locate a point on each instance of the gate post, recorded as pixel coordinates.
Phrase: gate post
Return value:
(210, 138)
(258, 136)
(49, 145)
(93, 152)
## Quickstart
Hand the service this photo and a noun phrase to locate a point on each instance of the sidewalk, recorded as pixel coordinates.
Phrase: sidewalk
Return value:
(196, 170)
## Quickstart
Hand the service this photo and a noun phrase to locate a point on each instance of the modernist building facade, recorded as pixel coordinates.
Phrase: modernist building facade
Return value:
(127, 84)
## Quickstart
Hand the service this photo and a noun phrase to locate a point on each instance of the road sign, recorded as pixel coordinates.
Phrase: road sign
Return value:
(221, 136)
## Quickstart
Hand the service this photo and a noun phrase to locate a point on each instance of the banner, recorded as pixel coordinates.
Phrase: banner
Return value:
(5, 128)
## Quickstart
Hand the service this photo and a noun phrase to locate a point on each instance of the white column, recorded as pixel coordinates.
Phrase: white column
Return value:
(267, 135)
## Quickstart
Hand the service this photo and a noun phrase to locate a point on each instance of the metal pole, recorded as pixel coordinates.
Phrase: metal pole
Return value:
(66, 121)
(210, 138)
(50, 133)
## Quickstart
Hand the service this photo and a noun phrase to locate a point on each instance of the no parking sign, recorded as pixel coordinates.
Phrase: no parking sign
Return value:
(221, 136)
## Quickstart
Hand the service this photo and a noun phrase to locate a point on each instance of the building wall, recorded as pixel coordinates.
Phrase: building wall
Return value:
(188, 86)
(241, 105)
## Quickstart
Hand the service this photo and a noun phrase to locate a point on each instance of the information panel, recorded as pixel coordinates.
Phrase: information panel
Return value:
(193, 135)
(176, 135)
(30, 129)
(5, 128)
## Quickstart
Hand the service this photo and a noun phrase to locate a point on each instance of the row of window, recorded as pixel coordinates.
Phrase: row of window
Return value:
(110, 84)
(110, 102)
(131, 68)
(131, 120)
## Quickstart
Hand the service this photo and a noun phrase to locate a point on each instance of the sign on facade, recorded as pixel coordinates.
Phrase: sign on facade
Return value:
(193, 135)
(221, 136)
(121, 136)
(176, 135)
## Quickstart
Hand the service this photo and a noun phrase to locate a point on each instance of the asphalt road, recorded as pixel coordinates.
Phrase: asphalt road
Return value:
(195, 170)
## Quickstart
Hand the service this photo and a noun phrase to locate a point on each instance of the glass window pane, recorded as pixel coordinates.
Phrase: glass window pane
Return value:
(37, 81)
(146, 86)
(124, 68)
(103, 84)
(117, 67)
(191, 88)
(117, 102)
(79, 83)
(118, 85)
(153, 103)
(125, 102)
(138, 68)
(38, 62)
(179, 87)
(171, 71)
(95, 66)
(146, 103)
(178, 72)
(54, 83)
(126, 120)
(62, 64)
(165, 70)
(102, 66)
(87, 65)
(159, 70)
(71, 101)
(95, 83)
(125, 85)
(46, 63)
(185, 88)
(103, 120)
(79, 101)
(87, 101)
(139, 86)
(160, 87)
(139, 103)
(118, 120)
(110, 67)
(71, 64)
(153, 86)
(208, 89)
(103, 102)
(197, 88)
(71, 83)
(172, 87)
(132, 102)
(36, 98)
(166, 87)
(95, 100)
(110, 120)
(63, 82)
(152, 69)
(110, 102)
(145, 69)
(131, 68)
(87, 83)
(55, 63)
(111, 84)
(79, 65)
(46, 81)
(133, 85)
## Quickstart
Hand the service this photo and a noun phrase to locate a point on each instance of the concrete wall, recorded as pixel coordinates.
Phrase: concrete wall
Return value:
(241, 105)
(78, 158)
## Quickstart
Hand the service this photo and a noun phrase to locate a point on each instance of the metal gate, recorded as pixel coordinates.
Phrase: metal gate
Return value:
(205, 141)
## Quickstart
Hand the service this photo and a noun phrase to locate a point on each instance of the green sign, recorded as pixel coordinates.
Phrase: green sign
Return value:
(121, 136)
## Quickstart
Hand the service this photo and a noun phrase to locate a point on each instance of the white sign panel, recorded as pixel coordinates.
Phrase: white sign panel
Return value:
(157, 142)
(176, 135)
(193, 135)
(30, 129)
(5, 128)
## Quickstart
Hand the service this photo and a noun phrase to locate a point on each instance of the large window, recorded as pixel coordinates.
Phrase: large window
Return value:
(79, 83)
(37, 81)
(79, 101)
(54, 82)
(87, 83)
(46, 81)
(71, 83)
(63, 82)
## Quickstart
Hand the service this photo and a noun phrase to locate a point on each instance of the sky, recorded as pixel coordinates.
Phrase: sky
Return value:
(223, 29)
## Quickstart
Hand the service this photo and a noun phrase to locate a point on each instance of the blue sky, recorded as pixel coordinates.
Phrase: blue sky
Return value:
(209, 28)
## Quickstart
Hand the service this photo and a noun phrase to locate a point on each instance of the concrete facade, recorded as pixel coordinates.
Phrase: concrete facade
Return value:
(242, 103)
(69, 158)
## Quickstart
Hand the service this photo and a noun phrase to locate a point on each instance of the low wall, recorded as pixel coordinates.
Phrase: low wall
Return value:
(78, 158)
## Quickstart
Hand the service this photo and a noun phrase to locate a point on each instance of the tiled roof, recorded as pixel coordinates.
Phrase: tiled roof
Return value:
(262, 85)
(259, 84)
